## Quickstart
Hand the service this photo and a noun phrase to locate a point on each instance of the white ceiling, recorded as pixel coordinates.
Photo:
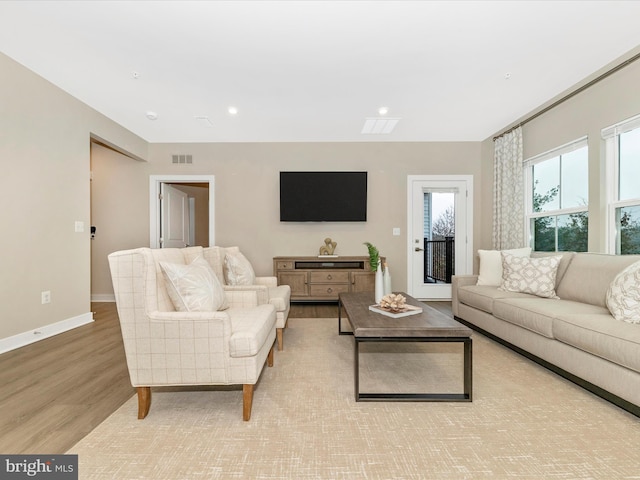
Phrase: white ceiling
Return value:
(305, 71)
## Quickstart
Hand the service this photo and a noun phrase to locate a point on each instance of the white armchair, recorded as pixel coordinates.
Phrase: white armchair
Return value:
(165, 347)
(267, 286)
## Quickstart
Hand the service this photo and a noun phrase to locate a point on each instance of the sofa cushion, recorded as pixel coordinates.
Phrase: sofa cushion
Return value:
(602, 335)
(623, 296)
(536, 276)
(193, 287)
(537, 314)
(482, 296)
(250, 329)
(589, 275)
(490, 269)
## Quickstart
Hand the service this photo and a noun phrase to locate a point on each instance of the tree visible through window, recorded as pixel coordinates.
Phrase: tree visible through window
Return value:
(558, 212)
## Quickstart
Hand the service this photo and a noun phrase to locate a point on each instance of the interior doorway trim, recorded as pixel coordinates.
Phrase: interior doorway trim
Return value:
(154, 203)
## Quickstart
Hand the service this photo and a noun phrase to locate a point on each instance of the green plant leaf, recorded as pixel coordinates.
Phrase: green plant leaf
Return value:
(374, 255)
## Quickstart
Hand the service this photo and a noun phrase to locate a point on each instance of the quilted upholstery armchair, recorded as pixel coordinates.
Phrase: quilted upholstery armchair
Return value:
(165, 347)
(267, 287)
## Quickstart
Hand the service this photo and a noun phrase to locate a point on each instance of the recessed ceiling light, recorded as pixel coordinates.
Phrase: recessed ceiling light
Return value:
(383, 110)
(135, 75)
(152, 115)
(232, 111)
(507, 76)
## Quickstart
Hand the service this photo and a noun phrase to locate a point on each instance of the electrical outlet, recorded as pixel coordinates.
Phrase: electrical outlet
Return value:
(46, 297)
(396, 231)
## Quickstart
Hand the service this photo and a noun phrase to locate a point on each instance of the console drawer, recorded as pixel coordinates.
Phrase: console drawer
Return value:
(284, 265)
(330, 277)
(328, 289)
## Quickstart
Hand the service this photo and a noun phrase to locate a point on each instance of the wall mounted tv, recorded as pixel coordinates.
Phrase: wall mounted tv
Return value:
(323, 196)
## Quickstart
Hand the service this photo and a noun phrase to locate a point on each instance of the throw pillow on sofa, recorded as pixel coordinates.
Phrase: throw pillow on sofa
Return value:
(194, 287)
(237, 269)
(536, 276)
(490, 272)
(623, 296)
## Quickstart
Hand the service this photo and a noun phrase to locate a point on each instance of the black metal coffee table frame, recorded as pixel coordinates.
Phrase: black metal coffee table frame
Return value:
(416, 337)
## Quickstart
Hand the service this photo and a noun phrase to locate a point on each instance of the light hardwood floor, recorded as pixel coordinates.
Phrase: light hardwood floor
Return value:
(54, 392)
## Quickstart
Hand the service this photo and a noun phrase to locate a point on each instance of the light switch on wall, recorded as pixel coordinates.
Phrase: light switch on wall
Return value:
(79, 226)
(396, 231)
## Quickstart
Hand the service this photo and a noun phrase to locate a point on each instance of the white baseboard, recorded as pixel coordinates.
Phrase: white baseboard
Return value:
(103, 297)
(32, 336)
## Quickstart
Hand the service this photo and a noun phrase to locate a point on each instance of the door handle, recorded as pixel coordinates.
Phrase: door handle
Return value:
(418, 249)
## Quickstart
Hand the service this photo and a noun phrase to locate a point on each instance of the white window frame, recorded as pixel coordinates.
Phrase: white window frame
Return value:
(528, 186)
(612, 158)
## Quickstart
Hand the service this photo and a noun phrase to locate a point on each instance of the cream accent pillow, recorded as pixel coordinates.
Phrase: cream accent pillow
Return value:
(238, 270)
(623, 296)
(194, 287)
(490, 272)
(536, 276)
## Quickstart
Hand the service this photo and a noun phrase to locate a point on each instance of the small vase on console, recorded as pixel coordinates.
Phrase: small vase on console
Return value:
(386, 280)
(379, 289)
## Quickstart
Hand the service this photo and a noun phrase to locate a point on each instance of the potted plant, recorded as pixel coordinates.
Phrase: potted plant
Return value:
(374, 256)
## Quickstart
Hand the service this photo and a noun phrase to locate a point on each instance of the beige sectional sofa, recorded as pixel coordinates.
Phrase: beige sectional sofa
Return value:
(575, 336)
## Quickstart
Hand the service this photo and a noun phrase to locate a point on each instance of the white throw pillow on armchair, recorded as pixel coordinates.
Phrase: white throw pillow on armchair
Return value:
(194, 287)
(237, 269)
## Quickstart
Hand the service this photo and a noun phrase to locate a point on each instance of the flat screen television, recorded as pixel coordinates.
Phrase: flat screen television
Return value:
(323, 196)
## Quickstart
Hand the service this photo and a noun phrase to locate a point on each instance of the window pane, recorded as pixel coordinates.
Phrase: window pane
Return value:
(628, 227)
(575, 179)
(573, 232)
(544, 234)
(546, 180)
(629, 164)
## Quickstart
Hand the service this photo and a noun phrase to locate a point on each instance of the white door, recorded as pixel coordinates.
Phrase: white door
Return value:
(174, 217)
(440, 226)
(156, 183)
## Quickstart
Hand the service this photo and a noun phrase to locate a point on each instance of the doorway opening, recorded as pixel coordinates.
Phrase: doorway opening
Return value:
(181, 210)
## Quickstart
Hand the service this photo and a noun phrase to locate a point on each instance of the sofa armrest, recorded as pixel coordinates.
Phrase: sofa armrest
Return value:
(216, 326)
(267, 281)
(260, 293)
(458, 281)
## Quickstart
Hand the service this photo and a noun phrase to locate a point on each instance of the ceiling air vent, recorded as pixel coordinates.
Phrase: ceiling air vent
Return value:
(182, 159)
(379, 125)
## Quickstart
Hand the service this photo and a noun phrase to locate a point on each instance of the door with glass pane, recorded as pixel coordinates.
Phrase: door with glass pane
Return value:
(440, 219)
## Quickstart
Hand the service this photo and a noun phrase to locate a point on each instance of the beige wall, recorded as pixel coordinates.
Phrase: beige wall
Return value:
(247, 196)
(607, 102)
(44, 149)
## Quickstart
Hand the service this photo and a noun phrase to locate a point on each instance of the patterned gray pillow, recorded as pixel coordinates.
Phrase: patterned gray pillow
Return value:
(536, 276)
(623, 296)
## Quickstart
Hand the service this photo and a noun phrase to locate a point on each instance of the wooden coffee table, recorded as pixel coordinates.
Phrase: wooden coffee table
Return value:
(428, 326)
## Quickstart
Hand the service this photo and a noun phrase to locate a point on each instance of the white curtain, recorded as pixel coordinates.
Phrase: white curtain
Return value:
(508, 188)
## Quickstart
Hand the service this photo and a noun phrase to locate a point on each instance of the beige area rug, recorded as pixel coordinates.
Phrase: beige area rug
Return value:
(524, 422)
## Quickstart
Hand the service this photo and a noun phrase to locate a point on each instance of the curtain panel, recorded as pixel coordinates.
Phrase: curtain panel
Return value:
(508, 191)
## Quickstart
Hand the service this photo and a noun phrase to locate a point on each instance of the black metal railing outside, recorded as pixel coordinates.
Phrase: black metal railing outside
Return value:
(439, 260)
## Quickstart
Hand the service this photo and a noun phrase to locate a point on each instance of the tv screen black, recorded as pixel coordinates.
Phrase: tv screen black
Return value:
(323, 196)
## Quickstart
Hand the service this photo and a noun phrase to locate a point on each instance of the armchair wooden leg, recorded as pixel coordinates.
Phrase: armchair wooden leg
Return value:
(247, 401)
(270, 357)
(279, 335)
(144, 401)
